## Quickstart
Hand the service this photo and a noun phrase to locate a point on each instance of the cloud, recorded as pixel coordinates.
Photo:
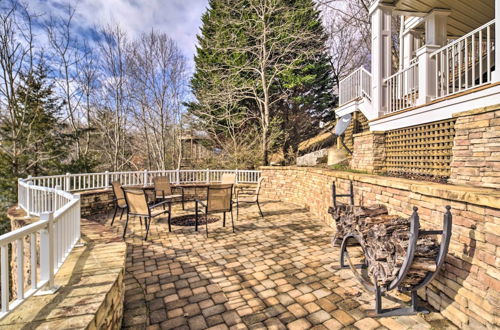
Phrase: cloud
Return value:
(180, 19)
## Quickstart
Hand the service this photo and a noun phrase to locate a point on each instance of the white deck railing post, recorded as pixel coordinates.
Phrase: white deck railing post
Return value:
(495, 77)
(47, 251)
(426, 74)
(145, 178)
(106, 179)
(67, 184)
(207, 175)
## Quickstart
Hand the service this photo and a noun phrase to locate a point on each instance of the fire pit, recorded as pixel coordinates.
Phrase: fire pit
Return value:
(190, 220)
(392, 252)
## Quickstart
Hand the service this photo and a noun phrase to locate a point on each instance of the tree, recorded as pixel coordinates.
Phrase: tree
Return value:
(261, 59)
(157, 81)
(40, 132)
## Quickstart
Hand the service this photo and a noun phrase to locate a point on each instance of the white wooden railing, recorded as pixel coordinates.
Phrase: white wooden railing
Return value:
(52, 238)
(402, 89)
(466, 62)
(357, 84)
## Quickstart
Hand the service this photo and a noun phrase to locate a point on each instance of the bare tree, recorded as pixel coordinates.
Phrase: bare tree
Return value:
(349, 29)
(65, 60)
(16, 59)
(157, 82)
(110, 118)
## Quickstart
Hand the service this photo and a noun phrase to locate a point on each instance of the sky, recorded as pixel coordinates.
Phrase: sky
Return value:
(180, 19)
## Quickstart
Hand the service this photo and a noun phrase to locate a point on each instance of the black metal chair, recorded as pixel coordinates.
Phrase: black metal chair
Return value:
(138, 205)
(164, 191)
(118, 199)
(247, 196)
(219, 200)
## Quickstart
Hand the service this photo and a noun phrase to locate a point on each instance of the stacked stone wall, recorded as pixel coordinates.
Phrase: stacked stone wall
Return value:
(368, 152)
(476, 148)
(467, 291)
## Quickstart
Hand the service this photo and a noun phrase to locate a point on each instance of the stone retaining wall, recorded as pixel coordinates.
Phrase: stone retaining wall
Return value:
(468, 290)
(91, 286)
(368, 152)
(96, 201)
(476, 148)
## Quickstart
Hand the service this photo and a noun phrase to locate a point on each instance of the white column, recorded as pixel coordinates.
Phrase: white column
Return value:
(495, 77)
(380, 16)
(435, 37)
(436, 31)
(408, 47)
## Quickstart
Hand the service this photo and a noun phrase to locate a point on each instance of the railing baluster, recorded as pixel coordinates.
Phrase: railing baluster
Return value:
(33, 261)
(20, 268)
(4, 268)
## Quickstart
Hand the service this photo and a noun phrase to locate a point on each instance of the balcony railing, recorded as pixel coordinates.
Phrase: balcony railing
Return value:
(50, 240)
(466, 62)
(402, 89)
(357, 84)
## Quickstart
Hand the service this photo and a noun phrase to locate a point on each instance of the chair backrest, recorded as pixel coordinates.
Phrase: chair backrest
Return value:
(137, 201)
(219, 197)
(257, 190)
(228, 178)
(162, 186)
(118, 192)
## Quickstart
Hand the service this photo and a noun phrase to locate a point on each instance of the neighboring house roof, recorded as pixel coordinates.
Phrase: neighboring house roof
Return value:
(193, 135)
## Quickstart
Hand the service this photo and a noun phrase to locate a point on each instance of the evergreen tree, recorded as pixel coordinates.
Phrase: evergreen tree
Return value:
(39, 144)
(265, 63)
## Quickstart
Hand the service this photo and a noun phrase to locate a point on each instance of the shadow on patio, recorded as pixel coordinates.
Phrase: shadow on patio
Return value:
(274, 272)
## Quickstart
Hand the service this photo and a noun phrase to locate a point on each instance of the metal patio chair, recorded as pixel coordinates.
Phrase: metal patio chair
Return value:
(138, 206)
(228, 178)
(248, 196)
(164, 191)
(118, 200)
(219, 200)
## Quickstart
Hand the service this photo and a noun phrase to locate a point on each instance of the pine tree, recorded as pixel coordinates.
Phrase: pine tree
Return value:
(39, 143)
(263, 62)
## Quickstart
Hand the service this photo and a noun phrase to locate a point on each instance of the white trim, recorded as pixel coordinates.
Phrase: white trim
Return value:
(361, 104)
(439, 110)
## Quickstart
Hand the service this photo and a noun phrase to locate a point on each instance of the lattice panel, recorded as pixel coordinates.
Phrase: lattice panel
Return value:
(422, 150)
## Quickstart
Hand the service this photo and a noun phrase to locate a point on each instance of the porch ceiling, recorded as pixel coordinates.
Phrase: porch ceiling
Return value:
(465, 16)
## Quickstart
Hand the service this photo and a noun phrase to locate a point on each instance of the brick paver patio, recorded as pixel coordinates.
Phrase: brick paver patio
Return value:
(277, 272)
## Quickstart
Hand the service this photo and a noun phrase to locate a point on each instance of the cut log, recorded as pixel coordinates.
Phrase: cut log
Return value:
(385, 240)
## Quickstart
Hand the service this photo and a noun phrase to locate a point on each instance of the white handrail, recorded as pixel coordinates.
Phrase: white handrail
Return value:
(466, 62)
(355, 85)
(402, 89)
(50, 240)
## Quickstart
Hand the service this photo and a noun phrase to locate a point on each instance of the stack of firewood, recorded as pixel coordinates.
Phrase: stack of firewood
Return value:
(385, 240)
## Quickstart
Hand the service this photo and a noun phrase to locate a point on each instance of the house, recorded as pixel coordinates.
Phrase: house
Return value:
(447, 63)
(437, 113)
(196, 146)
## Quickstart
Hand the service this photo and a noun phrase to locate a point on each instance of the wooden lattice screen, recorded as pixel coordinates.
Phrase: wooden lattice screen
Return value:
(421, 150)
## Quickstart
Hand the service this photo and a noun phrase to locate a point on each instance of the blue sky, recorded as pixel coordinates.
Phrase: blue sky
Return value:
(180, 19)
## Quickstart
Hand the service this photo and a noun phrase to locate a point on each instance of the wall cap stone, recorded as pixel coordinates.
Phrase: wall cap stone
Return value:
(477, 111)
(474, 195)
(91, 284)
(369, 133)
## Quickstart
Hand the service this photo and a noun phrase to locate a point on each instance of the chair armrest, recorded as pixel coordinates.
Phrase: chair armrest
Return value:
(199, 201)
(152, 206)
